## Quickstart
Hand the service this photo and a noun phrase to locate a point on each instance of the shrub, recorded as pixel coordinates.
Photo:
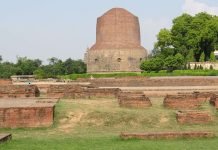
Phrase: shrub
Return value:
(154, 64)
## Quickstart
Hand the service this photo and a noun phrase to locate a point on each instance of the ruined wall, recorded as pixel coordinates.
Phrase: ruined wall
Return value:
(193, 117)
(22, 117)
(181, 102)
(114, 60)
(18, 91)
(5, 82)
(167, 135)
(154, 81)
(78, 91)
(133, 100)
(214, 100)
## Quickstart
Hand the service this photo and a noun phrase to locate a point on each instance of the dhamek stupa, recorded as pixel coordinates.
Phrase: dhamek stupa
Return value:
(118, 44)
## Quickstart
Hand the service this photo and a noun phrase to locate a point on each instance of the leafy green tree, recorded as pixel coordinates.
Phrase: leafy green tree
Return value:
(180, 29)
(27, 66)
(212, 57)
(202, 58)
(170, 63)
(163, 46)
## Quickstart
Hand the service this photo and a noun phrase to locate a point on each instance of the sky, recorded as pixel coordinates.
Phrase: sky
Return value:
(66, 28)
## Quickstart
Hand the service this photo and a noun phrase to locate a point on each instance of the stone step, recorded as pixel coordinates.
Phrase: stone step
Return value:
(5, 137)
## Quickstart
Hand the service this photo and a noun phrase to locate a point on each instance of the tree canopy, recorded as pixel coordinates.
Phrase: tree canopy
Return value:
(26, 66)
(190, 36)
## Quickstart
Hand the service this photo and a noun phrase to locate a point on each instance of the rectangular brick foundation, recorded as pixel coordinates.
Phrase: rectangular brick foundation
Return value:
(78, 91)
(5, 82)
(193, 117)
(18, 91)
(5, 137)
(133, 100)
(166, 135)
(182, 102)
(24, 113)
(214, 101)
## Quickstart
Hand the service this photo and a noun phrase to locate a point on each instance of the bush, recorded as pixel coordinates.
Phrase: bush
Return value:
(154, 64)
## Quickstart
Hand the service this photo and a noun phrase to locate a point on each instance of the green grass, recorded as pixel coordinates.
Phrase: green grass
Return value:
(150, 74)
(96, 124)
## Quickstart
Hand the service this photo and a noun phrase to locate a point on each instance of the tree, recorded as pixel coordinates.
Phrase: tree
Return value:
(174, 62)
(190, 36)
(27, 66)
(180, 29)
(212, 57)
(202, 57)
(154, 64)
(163, 46)
(1, 59)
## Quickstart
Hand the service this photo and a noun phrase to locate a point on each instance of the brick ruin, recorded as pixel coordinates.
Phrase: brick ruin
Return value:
(23, 113)
(5, 137)
(18, 91)
(5, 82)
(152, 81)
(78, 91)
(133, 100)
(214, 100)
(118, 43)
(193, 117)
(182, 102)
(166, 135)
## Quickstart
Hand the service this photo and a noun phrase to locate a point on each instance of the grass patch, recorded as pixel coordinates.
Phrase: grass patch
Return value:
(100, 124)
(146, 74)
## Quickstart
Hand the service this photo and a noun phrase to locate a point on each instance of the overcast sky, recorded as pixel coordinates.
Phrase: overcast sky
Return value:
(65, 28)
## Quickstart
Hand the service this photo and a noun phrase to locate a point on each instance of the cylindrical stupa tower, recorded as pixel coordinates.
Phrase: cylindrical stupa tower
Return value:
(118, 45)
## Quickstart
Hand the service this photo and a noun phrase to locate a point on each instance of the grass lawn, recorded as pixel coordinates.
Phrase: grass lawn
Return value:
(96, 124)
(145, 74)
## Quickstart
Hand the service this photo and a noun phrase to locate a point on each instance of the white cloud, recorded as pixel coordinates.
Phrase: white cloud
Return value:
(193, 7)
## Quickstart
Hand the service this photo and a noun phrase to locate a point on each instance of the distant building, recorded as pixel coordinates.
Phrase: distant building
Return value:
(118, 44)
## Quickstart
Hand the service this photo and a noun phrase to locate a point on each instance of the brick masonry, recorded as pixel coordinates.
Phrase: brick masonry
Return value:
(166, 135)
(214, 100)
(5, 82)
(182, 102)
(18, 91)
(193, 117)
(78, 91)
(24, 113)
(154, 81)
(133, 100)
(118, 43)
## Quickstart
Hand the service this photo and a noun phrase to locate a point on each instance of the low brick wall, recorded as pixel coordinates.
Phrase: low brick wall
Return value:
(5, 82)
(181, 102)
(5, 137)
(214, 100)
(154, 81)
(65, 91)
(166, 135)
(78, 91)
(25, 114)
(133, 100)
(193, 117)
(200, 96)
(102, 92)
(18, 91)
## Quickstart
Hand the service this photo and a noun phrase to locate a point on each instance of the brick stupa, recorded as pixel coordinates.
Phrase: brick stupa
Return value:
(118, 44)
